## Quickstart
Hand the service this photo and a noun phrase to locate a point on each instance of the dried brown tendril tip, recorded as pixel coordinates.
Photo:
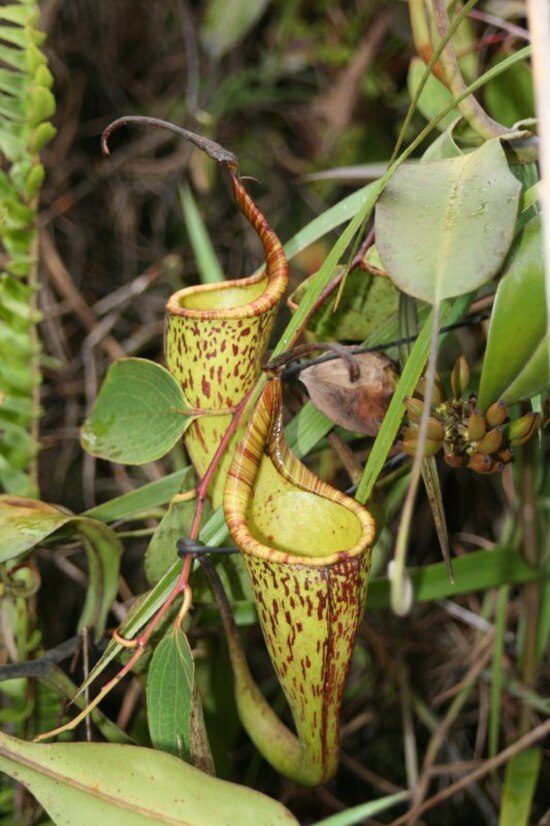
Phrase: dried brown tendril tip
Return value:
(211, 148)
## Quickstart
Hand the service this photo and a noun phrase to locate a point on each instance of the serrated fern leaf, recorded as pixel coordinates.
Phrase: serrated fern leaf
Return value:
(26, 105)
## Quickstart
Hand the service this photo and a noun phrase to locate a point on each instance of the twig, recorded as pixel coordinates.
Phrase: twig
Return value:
(538, 733)
(439, 735)
(500, 23)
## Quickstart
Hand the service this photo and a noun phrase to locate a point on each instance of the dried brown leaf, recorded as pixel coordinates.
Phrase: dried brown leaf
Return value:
(358, 405)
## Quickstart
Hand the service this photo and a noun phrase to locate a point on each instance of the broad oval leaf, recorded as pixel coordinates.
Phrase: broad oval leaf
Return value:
(117, 785)
(444, 227)
(169, 695)
(139, 415)
(516, 359)
(26, 522)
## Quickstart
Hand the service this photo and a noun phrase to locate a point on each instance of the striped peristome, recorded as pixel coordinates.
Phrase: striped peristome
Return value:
(215, 339)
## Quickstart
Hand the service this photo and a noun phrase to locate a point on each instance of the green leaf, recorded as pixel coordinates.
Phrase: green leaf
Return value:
(366, 302)
(34, 180)
(144, 498)
(213, 533)
(497, 674)
(520, 780)
(20, 14)
(444, 146)
(119, 785)
(358, 814)
(26, 522)
(511, 99)
(43, 133)
(444, 227)
(139, 415)
(13, 57)
(103, 550)
(434, 97)
(323, 277)
(11, 107)
(207, 262)
(227, 22)
(12, 82)
(407, 383)
(474, 572)
(516, 358)
(14, 34)
(349, 206)
(169, 695)
(42, 105)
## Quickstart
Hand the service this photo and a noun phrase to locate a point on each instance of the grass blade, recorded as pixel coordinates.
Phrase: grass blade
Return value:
(358, 813)
(520, 781)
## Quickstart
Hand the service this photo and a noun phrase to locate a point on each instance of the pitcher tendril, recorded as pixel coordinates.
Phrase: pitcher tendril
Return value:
(211, 148)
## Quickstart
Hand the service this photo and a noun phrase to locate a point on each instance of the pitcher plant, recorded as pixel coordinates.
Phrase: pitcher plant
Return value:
(216, 336)
(307, 548)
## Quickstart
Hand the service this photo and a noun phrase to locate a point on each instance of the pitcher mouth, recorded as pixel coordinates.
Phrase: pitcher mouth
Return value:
(253, 541)
(270, 496)
(223, 300)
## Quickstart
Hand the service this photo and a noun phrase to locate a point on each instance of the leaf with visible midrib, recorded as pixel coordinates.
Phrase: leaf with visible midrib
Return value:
(116, 785)
(169, 695)
(444, 227)
(139, 415)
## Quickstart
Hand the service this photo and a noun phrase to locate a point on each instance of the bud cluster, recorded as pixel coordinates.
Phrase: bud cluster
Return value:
(468, 438)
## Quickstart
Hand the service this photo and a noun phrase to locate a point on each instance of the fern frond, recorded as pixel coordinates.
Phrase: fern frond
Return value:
(26, 106)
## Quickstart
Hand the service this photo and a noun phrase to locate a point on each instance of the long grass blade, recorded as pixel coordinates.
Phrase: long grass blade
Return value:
(209, 267)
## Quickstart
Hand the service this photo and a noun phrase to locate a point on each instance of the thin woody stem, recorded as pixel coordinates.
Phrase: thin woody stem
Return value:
(538, 733)
(202, 487)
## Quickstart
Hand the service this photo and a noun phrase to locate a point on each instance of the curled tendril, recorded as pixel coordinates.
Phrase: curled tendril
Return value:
(211, 148)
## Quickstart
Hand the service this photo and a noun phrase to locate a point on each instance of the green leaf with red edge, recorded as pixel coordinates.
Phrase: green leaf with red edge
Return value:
(26, 522)
(119, 785)
(515, 366)
(139, 415)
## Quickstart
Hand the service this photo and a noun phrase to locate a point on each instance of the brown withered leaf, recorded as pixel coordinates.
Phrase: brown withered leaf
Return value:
(358, 405)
